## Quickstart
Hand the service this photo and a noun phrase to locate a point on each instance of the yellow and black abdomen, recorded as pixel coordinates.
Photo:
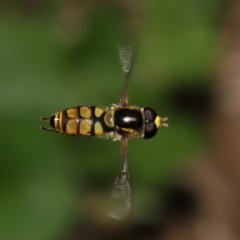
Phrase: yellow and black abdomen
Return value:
(81, 120)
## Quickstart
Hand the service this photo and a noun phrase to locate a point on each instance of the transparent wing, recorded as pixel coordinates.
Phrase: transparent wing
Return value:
(120, 202)
(125, 53)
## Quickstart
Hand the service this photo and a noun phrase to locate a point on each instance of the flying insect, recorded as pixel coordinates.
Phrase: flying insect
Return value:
(119, 122)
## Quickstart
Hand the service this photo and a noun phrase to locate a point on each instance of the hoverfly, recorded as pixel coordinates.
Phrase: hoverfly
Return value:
(119, 122)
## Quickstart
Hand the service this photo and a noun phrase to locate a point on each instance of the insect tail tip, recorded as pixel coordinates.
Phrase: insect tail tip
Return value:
(40, 127)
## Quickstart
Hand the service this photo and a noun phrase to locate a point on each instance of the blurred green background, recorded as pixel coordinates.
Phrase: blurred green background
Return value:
(55, 55)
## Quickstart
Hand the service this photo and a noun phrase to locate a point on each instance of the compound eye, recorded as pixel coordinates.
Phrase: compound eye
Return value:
(149, 115)
(150, 130)
(52, 121)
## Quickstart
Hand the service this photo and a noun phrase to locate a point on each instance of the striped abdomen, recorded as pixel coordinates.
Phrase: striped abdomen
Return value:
(81, 120)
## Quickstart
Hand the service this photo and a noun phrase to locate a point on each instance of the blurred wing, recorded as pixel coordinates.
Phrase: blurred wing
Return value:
(120, 202)
(125, 53)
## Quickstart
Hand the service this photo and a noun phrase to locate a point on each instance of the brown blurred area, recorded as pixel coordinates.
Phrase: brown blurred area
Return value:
(215, 180)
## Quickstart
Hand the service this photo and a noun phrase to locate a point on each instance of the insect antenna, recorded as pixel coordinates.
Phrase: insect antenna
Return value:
(163, 120)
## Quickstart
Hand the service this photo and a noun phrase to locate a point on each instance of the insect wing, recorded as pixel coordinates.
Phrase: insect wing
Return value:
(120, 202)
(125, 53)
